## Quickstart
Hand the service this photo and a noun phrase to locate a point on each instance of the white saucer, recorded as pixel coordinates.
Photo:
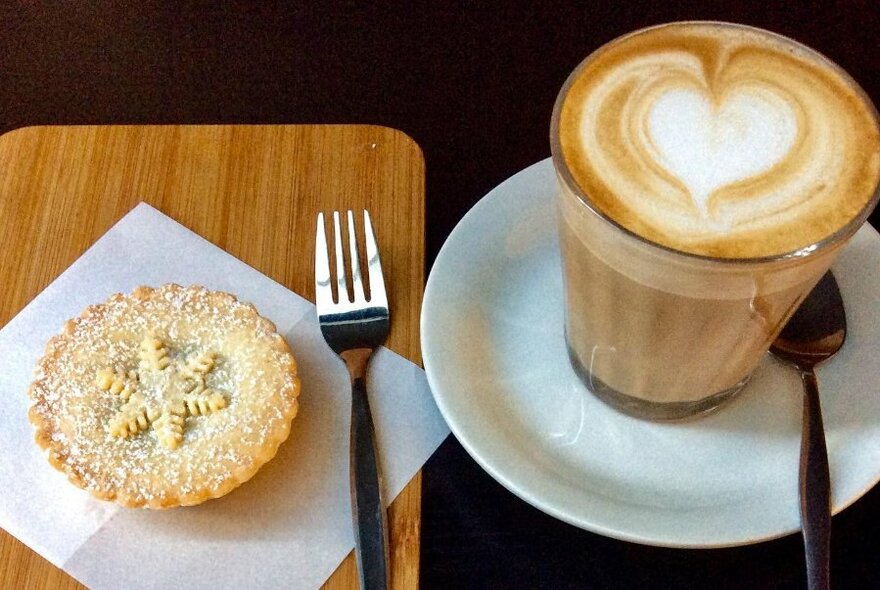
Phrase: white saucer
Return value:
(493, 349)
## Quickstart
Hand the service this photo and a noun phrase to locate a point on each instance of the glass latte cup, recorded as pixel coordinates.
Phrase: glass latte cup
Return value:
(709, 173)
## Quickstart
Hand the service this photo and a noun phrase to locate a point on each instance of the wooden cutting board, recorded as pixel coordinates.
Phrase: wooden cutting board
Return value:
(252, 190)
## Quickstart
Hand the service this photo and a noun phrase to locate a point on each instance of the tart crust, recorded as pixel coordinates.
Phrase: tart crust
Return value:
(164, 397)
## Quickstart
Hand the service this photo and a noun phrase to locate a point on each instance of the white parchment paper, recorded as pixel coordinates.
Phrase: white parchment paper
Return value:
(290, 526)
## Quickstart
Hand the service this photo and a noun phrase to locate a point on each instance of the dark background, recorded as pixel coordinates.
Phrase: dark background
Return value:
(474, 86)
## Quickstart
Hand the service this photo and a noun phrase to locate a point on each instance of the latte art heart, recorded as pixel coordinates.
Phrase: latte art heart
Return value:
(708, 147)
(719, 140)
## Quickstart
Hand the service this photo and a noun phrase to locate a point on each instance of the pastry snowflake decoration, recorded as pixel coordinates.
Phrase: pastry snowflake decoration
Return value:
(175, 391)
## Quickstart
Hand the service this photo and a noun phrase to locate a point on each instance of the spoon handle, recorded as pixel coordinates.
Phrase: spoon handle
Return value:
(815, 488)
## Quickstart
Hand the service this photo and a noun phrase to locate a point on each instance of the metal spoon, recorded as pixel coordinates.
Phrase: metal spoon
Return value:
(814, 334)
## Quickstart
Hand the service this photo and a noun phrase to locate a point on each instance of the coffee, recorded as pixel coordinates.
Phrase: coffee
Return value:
(709, 174)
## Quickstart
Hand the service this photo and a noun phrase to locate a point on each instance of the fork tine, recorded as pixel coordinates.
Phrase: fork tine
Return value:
(323, 290)
(374, 265)
(357, 284)
(341, 283)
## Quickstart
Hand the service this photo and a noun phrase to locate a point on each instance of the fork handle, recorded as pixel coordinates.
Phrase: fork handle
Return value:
(815, 488)
(367, 508)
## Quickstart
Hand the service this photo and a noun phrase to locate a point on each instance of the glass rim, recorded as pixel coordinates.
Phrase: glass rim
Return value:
(839, 236)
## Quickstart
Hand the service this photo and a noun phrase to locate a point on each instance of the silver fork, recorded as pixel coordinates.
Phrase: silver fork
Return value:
(354, 328)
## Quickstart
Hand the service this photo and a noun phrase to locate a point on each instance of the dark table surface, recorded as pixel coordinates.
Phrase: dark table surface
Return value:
(474, 87)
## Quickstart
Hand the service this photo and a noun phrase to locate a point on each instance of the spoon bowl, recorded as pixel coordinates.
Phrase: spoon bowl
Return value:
(817, 329)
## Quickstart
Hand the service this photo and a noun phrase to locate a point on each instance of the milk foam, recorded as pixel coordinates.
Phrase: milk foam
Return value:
(709, 146)
(719, 140)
